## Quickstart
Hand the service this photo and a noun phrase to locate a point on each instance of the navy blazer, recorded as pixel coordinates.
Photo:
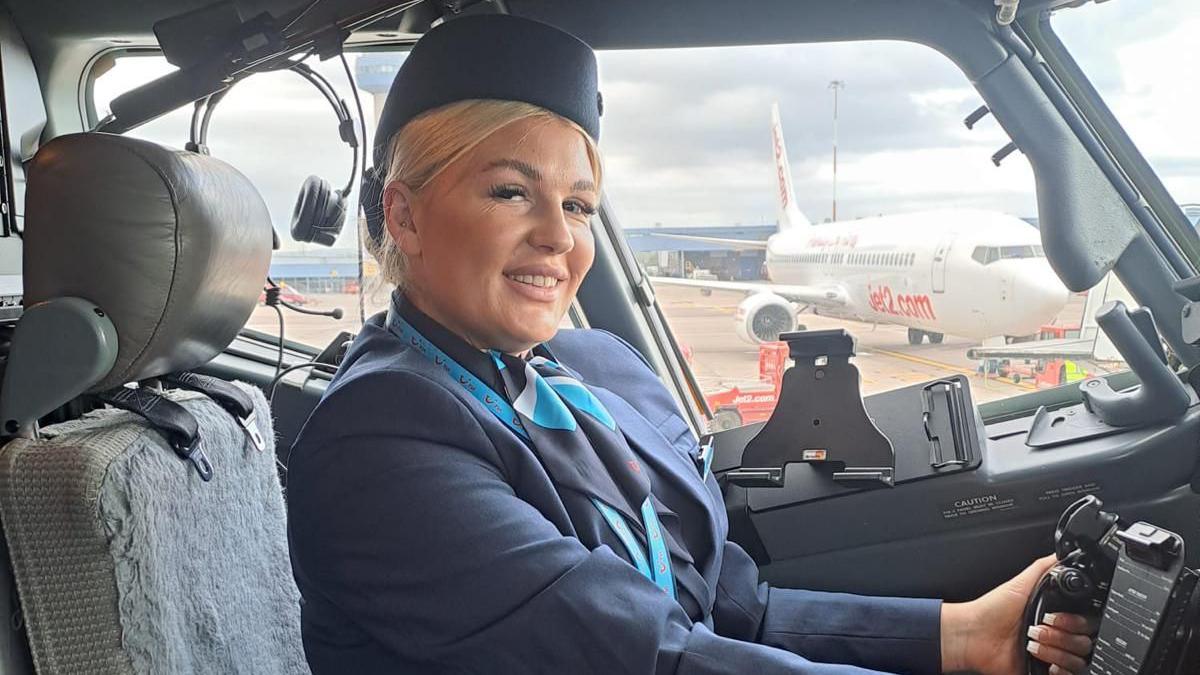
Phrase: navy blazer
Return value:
(427, 537)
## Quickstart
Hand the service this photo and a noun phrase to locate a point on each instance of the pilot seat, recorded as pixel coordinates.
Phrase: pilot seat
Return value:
(147, 535)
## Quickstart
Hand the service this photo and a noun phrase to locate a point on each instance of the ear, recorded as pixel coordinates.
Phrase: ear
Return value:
(398, 211)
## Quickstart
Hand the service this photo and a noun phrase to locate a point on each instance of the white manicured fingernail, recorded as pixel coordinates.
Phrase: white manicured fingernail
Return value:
(1033, 648)
(1034, 633)
(1050, 619)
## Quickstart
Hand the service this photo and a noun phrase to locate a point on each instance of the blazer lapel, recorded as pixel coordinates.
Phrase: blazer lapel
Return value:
(671, 466)
(679, 469)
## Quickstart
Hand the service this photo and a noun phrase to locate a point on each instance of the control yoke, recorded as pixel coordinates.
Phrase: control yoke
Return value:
(1162, 396)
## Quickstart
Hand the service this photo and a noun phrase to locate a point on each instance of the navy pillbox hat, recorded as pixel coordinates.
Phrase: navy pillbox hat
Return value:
(491, 56)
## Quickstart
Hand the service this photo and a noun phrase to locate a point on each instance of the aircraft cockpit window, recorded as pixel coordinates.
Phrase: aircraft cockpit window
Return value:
(918, 287)
(668, 131)
(277, 130)
(1144, 71)
(986, 255)
(1016, 252)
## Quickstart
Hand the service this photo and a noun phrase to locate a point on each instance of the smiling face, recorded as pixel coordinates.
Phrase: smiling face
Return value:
(498, 242)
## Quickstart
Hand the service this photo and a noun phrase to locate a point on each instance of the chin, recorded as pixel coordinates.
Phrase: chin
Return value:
(536, 337)
(531, 328)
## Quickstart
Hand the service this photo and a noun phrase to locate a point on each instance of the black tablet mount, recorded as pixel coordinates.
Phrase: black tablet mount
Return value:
(822, 420)
(848, 443)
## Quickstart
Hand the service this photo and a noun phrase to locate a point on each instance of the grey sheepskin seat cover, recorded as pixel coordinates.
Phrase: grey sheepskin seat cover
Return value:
(126, 562)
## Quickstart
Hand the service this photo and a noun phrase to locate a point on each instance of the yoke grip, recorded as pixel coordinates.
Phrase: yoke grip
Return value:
(1161, 396)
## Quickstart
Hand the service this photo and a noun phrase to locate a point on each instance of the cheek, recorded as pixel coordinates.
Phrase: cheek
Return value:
(581, 257)
(470, 244)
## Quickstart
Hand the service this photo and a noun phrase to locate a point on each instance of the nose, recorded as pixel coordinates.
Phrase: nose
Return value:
(552, 232)
(1039, 296)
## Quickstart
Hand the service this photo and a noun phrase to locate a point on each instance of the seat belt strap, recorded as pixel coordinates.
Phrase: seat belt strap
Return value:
(227, 395)
(172, 420)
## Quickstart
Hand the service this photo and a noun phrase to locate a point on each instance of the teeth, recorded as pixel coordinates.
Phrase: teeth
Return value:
(534, 280)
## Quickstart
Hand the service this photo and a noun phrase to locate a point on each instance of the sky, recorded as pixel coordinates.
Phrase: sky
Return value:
(686, 138)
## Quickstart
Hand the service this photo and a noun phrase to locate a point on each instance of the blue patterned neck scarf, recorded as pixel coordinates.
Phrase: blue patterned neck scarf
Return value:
(574, 436)
(557, 410)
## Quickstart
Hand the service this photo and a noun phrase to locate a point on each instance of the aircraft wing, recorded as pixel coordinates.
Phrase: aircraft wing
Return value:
(738, 244)
(821, 296)
(1066, 348)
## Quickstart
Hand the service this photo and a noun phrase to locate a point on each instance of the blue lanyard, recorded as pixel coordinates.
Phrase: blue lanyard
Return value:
(483, 393)
(659, 569)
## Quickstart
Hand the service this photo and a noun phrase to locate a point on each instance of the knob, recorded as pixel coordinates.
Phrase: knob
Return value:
(1074, 583)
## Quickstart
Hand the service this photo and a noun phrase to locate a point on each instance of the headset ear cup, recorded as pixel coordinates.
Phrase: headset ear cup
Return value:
(319, 213)
(336, 215)
(304, 213)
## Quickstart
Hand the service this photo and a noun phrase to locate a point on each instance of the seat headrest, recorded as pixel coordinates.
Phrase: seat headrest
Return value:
(173, 246)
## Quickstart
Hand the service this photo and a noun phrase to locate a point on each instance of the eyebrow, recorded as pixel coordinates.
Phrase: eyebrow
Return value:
(528, 170)
(524, 167)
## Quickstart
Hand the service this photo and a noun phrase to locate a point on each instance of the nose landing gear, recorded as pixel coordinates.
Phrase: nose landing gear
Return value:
(916, 336)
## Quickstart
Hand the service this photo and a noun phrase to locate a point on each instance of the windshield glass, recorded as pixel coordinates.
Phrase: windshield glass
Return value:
(990, 254)
(1144, 67)
(720, 165)
(277, 129)
(834, 186)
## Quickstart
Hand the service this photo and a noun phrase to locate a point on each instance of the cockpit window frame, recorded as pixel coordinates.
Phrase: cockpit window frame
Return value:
(664, 357)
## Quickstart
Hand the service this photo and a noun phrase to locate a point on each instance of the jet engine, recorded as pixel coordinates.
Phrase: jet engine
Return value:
(763, 316)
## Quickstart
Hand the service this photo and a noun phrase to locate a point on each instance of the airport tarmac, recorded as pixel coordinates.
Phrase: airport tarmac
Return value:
(884, 358)
(720, 360)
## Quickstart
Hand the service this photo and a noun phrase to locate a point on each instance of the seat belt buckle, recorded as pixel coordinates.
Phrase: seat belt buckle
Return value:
(250, 424)
(193, 453)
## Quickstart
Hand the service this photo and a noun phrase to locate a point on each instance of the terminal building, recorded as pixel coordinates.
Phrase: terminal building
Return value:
(323, 271)
(665, 251)
(661, 251)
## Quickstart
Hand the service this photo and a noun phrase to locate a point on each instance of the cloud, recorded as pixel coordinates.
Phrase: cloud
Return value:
(1145, 70)
(686, 132)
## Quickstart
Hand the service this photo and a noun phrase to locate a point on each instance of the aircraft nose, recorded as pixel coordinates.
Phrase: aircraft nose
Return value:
(1040, 295)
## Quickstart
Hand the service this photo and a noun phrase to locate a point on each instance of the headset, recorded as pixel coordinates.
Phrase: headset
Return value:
(320, 210)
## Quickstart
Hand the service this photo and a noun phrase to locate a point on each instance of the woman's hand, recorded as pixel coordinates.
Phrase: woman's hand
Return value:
(985, 635)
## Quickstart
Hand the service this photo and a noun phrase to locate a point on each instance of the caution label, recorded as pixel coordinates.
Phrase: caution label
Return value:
(978, 505)
(1073, 491)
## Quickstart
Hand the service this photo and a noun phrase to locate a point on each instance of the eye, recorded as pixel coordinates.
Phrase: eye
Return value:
(508, 193)
(579, 206)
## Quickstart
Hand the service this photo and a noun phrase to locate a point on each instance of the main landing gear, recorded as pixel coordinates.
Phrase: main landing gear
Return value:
(916, 336)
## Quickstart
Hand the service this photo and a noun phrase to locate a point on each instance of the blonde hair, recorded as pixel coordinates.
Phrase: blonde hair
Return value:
(434, 140)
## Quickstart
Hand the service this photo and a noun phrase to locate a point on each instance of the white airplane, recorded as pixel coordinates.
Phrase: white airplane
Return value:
(972, 273)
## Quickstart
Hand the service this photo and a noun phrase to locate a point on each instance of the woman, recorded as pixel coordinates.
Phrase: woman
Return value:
(477, 494)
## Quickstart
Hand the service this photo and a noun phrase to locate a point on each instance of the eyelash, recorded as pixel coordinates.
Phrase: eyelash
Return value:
(584, 208)
(507, 192)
